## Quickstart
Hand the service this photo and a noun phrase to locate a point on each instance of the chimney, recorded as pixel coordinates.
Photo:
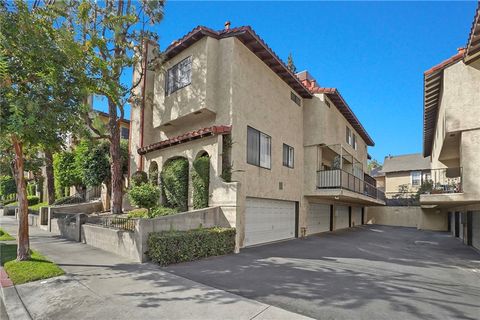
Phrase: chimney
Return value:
(227, 25)
(460, 50)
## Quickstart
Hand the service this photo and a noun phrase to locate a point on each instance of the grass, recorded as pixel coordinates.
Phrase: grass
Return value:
(37, 268)
(37, 206)
(4, 236)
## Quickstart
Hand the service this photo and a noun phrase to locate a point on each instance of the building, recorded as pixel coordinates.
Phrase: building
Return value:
(379, 177)
(451, 136)
(404, 174)
(296, 152)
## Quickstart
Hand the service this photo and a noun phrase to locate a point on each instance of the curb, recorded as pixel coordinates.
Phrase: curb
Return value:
(14, 306)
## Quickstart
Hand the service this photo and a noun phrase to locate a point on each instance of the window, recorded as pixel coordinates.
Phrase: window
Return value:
(416, 178)
(354, 142)
(349, 136)
(124, 133)
(259, 148)
(179, 76)
(295, 98)
(287, 156)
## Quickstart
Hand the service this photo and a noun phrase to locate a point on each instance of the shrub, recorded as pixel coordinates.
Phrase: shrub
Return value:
(175, 183)
(31, 189)
(161, 211)
(68, 200)
(139, 177)
(144, 195)
(200, 181)
(180, 246)
(7, 186)
(33, 200)
(138, 213)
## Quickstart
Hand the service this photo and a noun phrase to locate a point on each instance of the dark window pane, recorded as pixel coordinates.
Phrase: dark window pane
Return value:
(253, 146)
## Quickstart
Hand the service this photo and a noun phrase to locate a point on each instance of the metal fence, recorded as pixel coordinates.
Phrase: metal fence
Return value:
(126, 224)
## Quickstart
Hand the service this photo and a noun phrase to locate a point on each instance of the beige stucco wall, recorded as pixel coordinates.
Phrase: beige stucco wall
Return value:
(424, 219)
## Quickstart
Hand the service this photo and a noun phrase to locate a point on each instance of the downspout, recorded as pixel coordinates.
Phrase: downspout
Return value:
(142, 112)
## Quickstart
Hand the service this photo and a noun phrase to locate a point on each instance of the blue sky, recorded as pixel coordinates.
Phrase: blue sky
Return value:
(375, 53)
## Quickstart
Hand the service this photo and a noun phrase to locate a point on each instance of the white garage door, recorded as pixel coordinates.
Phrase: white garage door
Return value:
(476, 229)
(356, 216)
(318, 218)
(268, 220)
(341, 217)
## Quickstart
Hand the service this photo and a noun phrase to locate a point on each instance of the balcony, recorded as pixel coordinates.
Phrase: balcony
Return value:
(340, 179)
(446, 180)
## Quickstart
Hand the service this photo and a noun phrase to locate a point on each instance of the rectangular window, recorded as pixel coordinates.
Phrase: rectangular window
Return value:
(179, 76)
(288, 156)
(354, 142)
(124, 133)
(295, 98)
(259, 148)
(416, 178)
(348, 136)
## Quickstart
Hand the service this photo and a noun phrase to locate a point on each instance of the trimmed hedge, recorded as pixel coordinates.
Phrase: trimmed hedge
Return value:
(174, 178)
(145, 195)
(33, 200)
(170, 247)
(139, 178)
(200, 181)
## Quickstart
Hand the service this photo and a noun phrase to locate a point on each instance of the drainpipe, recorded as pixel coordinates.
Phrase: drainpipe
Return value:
(142, 111)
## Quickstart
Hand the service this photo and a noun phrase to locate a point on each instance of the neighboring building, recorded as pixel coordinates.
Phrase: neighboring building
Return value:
(124, 124)
(404, 174)
(296, 152)
(379, 177)
(451, 127)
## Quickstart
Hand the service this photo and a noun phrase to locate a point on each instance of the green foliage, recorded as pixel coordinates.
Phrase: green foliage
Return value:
(7, 186)
(425, 188)
(139, 178)
(226, 155)
(37, 206)
(372, 164)
(152, 213)
(94, 160)
(290, 64)
(170, 247)
(5, 236)
(153, 173)
(31, 189)
(33, 200)
(66, 170)
(174, 178)
(144, 195)
(138, 213)
(68, 200)
(200, 181)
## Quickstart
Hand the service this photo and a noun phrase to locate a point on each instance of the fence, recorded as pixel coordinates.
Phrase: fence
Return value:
(125, 224)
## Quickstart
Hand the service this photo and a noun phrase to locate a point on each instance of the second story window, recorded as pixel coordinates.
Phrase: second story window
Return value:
(354, 142)
(259, 148)
(348, 136)
(124, 133)
(288, 156)
(179, 76)
(416, 178)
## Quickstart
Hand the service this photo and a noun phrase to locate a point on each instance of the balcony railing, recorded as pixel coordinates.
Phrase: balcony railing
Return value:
(446, 180)
(339, 179)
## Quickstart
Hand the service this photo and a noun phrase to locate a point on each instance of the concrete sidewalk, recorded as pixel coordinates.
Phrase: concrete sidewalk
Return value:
(101, 285)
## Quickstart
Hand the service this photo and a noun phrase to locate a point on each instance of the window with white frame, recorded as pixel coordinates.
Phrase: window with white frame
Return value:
(288, 155)
(416, 178)
(179, 76)
(354, 141)
(348, 136)
(259, 148)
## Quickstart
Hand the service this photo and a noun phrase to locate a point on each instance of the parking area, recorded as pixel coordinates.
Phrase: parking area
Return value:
(367, 272)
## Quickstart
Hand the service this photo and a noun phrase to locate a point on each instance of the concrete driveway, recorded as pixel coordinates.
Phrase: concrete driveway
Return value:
(369, 272)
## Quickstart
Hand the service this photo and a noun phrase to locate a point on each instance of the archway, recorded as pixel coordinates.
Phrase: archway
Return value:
(174, 183)
(201, 180)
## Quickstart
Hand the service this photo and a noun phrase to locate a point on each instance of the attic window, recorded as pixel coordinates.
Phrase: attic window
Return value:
(295, 98)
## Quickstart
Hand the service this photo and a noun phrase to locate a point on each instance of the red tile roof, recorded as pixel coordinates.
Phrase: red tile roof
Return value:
(186, 137)
(446, 63)
(473, 43)
(335, 96)
(252, 41)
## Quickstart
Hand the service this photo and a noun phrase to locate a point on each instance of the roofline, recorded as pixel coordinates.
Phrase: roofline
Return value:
(252, 41)
(98, 112)
(473, 43)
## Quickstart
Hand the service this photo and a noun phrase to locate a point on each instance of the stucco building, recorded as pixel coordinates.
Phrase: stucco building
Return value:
(296, 152)
(451, 137)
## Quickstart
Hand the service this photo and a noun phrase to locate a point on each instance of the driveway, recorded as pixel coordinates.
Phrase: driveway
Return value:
(368, 272)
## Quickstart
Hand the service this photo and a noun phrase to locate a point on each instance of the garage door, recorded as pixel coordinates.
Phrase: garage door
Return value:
(341, 217)
(476, 229)
(318, 219)
(268, 220)
(356, 216)
(462, 221)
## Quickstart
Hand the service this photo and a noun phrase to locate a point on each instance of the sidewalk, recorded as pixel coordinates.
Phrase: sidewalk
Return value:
(101, 285)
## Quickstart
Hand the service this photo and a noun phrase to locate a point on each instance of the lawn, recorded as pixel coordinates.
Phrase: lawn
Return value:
(37, 206)
(5, 236)
(38, 267)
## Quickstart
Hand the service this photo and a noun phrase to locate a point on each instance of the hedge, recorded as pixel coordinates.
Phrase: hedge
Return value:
(138, 178)
(170, 247)
(31, 200)
(200, 181)
(145, 195)
(68, 200)
(174, 178)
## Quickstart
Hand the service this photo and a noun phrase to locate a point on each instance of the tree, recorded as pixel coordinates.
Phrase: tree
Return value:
(113, 33)
(67, 171)
(40, 95)
(372, 164)
(291, 64)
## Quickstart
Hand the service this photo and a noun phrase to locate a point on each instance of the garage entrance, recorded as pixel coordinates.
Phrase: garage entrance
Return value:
(318, 219)
(341, 217)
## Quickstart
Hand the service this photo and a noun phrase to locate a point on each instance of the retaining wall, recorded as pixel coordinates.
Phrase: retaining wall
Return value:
(414, 216)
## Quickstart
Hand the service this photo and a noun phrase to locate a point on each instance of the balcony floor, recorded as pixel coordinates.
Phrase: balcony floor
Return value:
(447, 200)
(338, 194)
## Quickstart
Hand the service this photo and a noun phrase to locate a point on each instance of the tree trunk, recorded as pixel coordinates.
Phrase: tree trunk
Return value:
(23, 242)
(116, 160)
(50, 178)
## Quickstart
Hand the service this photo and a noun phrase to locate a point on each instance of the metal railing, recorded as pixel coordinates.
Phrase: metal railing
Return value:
(331, 179)
(445, 180)
(118, 223)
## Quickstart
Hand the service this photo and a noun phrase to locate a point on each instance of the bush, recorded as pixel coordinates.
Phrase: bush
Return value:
(31, 189)
(154, 212)
(180, 246)
(139, 177)
(9, 201)
(175, 183)
(138, 213)
(7, 186)
(144, 195)
(200, 181)
(68, 200)
(33, 200)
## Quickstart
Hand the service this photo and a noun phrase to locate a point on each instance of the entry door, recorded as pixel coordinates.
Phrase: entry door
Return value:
(356, 216)
(341, 217)
(268, 220)
(318, 218)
